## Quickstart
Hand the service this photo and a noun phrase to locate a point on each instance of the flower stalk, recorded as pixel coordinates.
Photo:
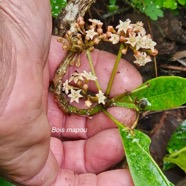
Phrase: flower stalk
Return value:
(92, 68)
(114, 70)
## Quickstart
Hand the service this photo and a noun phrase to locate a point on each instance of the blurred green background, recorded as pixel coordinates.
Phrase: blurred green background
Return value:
(5, 183)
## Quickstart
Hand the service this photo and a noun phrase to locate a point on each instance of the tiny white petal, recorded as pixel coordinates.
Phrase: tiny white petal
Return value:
(88, 75)
(142, 59)
(91, 33)
(114, 38)
(138, 27)
(95, 21)
(66, 87)
(101, 97)
(76, 76)
(75, 95)
(124, 26)
(132, 39)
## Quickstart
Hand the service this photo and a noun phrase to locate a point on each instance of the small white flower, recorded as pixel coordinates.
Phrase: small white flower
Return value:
(101, 97)
(114, 38)
(138, 27)
(96, 22)
(66, 87)
(132, 39)
(142, 59)
(140, 43)
(145, 42)
(149, 44)
(88, 75)
(91, 33)
(75, 95)
(76, 77)
(124, 26)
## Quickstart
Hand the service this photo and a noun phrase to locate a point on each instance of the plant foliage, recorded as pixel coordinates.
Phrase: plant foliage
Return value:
(57, 5)
(112, 6)
(160, 93)
(5, 183)
(176, 149)
(153, 9)
(142, 167)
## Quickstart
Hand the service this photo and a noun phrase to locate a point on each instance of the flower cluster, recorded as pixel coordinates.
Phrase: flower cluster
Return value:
(132, 36)
(76, 88)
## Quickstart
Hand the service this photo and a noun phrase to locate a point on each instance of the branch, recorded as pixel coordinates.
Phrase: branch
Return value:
(69, 15)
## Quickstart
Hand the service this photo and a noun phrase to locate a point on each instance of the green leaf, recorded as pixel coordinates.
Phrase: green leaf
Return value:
(158, 3)
(182, 2)
(178, 158)
(138, 4)
(175, 144)
(170, 4)
(5, 183)
(156, 94)
(57, 5)
(112, 6)
(178, 139)
(153, 11)
(142, 167)
(168, 165)
(160, 93)
(112, 2)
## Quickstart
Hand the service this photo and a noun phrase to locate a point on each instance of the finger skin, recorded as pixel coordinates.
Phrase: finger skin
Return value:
(120, 177)
(24, 130)
(83, 156)
(127, 78)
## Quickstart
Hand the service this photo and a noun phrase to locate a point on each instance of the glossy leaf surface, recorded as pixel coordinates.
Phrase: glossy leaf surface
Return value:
(177, 149)
(160, 93)
(142, 167)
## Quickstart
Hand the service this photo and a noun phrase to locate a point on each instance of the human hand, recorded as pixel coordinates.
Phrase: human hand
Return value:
(25, 140)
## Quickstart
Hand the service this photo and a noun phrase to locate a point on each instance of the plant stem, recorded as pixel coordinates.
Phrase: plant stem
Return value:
(114, 70)
(136, 121)
(77, 8)
(141, 88)
(92, 68)
(155, 67)
(119, 125)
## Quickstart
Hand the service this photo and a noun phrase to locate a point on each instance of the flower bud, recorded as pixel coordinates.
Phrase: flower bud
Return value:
(108, 34)
(110, 29)
(154, 53)
(124, 51)
(99, 30)
(85, 86)
(96, 41)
